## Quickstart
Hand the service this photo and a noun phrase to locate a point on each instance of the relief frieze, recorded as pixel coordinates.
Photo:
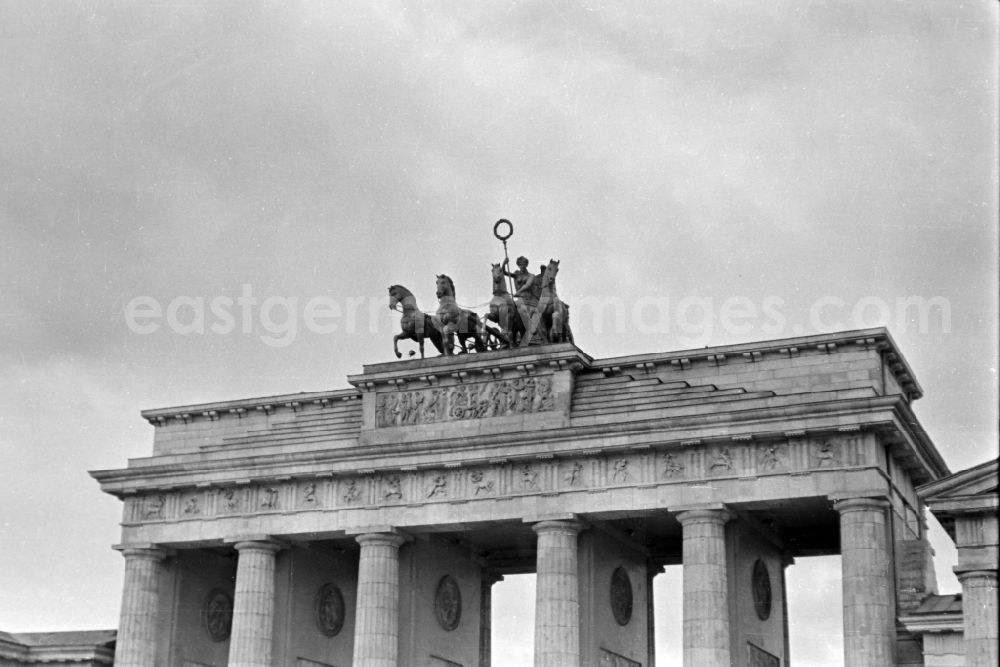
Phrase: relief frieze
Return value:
(672, 466)
(592, 471)
(770, 458)
(481, 485)
(499, 398)
(573, 475)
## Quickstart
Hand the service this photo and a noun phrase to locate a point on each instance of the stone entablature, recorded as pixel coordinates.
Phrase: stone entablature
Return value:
(595, 472)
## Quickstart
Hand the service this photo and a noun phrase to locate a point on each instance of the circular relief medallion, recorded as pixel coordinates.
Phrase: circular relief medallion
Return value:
(761, 590)
(621, 596)
(329, 610)
(218, 614)
(448, 603)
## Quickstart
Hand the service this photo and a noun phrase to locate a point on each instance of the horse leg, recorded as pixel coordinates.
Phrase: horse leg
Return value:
(448, 334)
(395, 345)
(479, 332)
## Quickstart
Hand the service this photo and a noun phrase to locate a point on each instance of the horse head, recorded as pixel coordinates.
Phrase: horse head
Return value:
(445, 286)
(398, 294)
(550, 273)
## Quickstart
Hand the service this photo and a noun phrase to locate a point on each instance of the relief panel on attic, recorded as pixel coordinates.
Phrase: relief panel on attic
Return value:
(500, 398)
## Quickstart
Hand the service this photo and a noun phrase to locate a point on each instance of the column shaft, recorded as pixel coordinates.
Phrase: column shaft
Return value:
(706, 588)
(486, 618)
(376, 629)
(136, 643)
(557, 596)
(253, 605)
(869, 628)
(979, 609)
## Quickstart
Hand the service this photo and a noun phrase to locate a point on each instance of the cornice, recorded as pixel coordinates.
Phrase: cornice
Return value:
(941, 489)
(268, 404)
(942, 622)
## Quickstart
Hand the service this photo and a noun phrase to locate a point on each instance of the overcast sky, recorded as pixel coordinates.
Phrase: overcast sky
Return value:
(810, 162)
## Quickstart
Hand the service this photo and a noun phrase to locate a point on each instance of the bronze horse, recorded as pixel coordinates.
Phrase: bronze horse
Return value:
(555, 313)
(504, 311)
(457, 322)
(416, 324)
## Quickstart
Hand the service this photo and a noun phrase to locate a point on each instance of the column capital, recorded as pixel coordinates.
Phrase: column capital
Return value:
(970, 575)
(257, 543)
(380, 539)
(558, 526)
(717, 514)
(149, 551)
(859, 503)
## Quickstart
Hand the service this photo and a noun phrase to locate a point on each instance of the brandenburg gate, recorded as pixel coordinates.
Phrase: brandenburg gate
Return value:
(366, 526)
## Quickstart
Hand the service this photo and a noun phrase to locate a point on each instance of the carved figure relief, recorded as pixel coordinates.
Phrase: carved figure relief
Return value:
(393, 488)
(572, 476)
(761, 584)
(439, 486)
(330, 610)
(770, 458)
(231, 500)
(672, 467)
(722, 461)
(309, 493)
(529, 477)
(269, 498)
(620, 473)
(192, 506)
(154, 507)
(448, 603)
(351, 492)
(621, 596)
(480, 484)
(217, 615)
(827, 454)
(499, 398)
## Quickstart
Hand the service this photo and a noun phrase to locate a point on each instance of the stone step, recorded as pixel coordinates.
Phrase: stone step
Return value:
(667, 405)
(625, 400)
(722, 406)
(608, 384)
(657, 390)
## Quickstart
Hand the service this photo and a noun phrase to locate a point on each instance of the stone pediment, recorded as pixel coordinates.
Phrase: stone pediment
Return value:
(978, 481)
(970, 491)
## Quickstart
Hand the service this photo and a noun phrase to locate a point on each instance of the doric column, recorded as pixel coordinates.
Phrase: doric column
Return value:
(486, 617)
(869, 627)
(136, 643)
(376, 625)
(557, 596)
(253, 604)
(651, 571)
(706, 591)
(979, 610)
